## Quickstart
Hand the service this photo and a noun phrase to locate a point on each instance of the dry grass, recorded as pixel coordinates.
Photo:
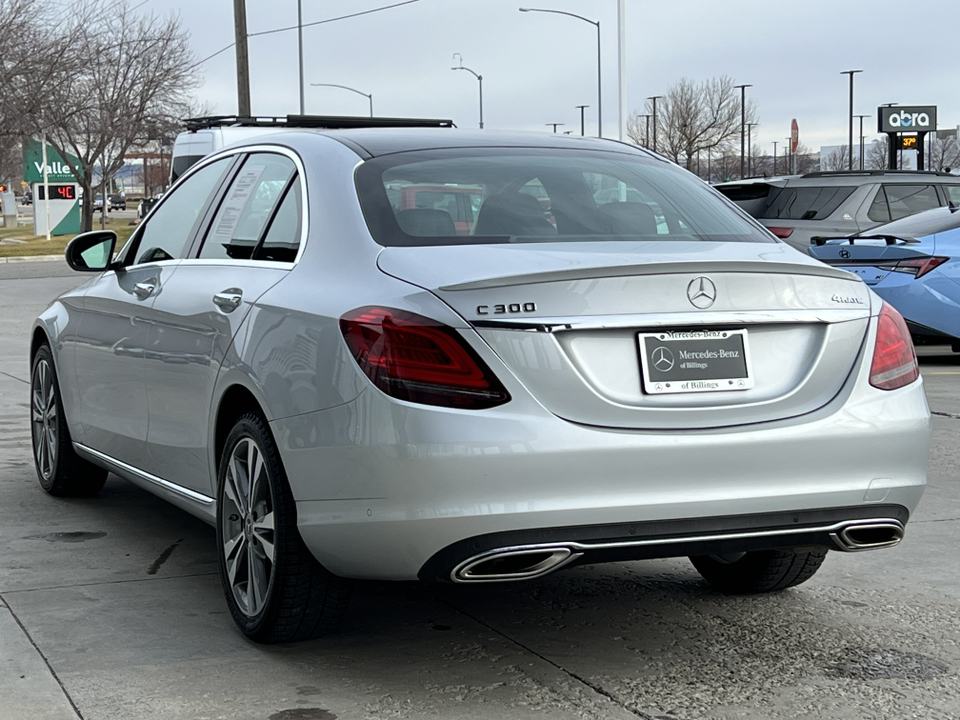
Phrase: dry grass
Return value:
(30, 244)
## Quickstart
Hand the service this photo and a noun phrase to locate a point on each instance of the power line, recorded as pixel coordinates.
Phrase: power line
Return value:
(318, 22)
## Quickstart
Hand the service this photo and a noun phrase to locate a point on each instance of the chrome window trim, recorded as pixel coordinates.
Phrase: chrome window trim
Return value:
(130, 469)
(304, 215)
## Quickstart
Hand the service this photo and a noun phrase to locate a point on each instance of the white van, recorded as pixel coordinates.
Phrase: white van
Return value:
(205, 135)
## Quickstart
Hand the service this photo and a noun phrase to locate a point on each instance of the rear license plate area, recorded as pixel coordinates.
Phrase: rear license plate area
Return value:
(691, 361)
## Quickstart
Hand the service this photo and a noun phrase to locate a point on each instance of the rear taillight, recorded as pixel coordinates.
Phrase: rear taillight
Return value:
(413, 358)
(894, 360)
(781, 233)
(917, 267)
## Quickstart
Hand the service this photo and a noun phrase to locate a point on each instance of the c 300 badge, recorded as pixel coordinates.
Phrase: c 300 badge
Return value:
(507, 309)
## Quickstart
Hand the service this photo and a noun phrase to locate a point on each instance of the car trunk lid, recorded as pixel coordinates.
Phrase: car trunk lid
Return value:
(580, 326)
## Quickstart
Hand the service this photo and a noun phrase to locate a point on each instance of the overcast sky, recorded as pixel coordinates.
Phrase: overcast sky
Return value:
(538, 67)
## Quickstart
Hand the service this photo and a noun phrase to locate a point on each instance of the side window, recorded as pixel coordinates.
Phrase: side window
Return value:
(282, 240)
(909, 199)
(247, 207)
(170, 226)
(952, 192)
(879, 212)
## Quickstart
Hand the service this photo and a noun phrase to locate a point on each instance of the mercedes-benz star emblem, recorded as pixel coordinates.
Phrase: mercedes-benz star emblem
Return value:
(701, 292)
(662, 359)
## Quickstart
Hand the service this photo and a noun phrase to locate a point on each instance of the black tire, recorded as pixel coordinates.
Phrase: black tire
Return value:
(760, 571)
(60, 470)
(291, 597)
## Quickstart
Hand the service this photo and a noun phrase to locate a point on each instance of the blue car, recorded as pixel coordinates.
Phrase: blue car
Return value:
(912, 263)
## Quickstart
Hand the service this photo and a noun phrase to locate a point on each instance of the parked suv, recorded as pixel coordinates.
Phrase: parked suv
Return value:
(798, 208)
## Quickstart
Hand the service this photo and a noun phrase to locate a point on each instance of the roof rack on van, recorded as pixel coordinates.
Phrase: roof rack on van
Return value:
(328, 122)
(841, 173)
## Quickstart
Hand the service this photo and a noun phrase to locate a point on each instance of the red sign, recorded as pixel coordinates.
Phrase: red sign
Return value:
(794, 135)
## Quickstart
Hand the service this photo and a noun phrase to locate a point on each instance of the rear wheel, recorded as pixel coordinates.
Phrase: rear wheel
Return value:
(760, 571)
(60, 470)
(275, 589)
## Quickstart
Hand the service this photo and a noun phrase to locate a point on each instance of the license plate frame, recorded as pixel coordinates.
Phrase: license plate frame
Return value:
(695, 361)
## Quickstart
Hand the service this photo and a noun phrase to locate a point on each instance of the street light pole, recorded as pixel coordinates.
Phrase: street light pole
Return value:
(750, 127)
(646, 133)
(774, 157)
(851, 73)
(581, 108)
(861, 137)
(743, 120)
(596, 23)
(554, 126)
(654, 98)
(369, 96)
(479, 79)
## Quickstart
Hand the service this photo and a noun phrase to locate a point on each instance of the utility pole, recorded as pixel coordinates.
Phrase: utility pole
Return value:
(243, 65)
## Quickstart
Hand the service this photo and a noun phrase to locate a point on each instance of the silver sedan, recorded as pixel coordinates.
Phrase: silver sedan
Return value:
(475, 357)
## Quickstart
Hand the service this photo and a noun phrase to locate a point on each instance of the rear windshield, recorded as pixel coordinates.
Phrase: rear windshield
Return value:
(500, 195)
(806, 203)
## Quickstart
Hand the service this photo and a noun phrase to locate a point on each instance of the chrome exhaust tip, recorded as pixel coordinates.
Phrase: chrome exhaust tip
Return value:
(516, 564)
(869, 535)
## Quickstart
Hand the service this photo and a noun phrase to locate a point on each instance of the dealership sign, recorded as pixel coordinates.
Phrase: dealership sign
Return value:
(898, 119)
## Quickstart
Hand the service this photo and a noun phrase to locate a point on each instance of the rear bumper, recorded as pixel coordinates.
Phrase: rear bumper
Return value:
(526, 554)
(383, 487)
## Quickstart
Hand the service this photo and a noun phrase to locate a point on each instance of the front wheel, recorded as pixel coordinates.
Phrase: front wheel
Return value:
(60, 470)
(275, 589)
(759, 571)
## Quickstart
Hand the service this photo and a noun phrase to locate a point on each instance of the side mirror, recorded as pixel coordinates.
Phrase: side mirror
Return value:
(91, 251)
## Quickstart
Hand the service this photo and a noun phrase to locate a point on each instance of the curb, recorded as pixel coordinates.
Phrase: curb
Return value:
(30, 258)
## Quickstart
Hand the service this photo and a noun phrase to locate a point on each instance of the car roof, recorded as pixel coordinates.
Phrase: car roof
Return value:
(373, 142)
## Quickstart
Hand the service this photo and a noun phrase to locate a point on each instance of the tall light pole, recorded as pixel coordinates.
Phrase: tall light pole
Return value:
(621, 68)
(654, 99)
(774, 157)
(851, 73)
(596, 23)
(750, 127)
(554, 126)
(743, 121)
(369, 96)
(861, 138)
(479, 79)
(581, 109)
(646, 133)
(300, 49)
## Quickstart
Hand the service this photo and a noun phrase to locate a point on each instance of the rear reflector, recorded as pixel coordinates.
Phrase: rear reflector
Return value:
(414, 358)
(894, 360)
(780, 232)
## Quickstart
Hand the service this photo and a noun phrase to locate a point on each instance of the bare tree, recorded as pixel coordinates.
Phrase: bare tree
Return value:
(877, 155)
(694, 117)
(135, 75)
(944, 153)
(835, 160)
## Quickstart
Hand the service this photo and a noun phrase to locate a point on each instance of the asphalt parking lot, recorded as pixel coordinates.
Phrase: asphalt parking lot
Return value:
(111, 609)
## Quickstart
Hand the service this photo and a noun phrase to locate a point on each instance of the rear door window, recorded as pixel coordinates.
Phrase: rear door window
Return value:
(893, 202)
(248, 207)
(806, 202)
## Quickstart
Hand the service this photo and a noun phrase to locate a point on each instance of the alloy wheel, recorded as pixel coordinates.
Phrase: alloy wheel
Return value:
(248, 527)
(44, 419)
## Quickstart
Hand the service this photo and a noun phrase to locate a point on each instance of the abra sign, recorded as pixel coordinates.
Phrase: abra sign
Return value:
(899, 119)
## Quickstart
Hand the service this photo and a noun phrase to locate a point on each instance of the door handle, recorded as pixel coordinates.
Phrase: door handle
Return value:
(228, 300)
(145, 289)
